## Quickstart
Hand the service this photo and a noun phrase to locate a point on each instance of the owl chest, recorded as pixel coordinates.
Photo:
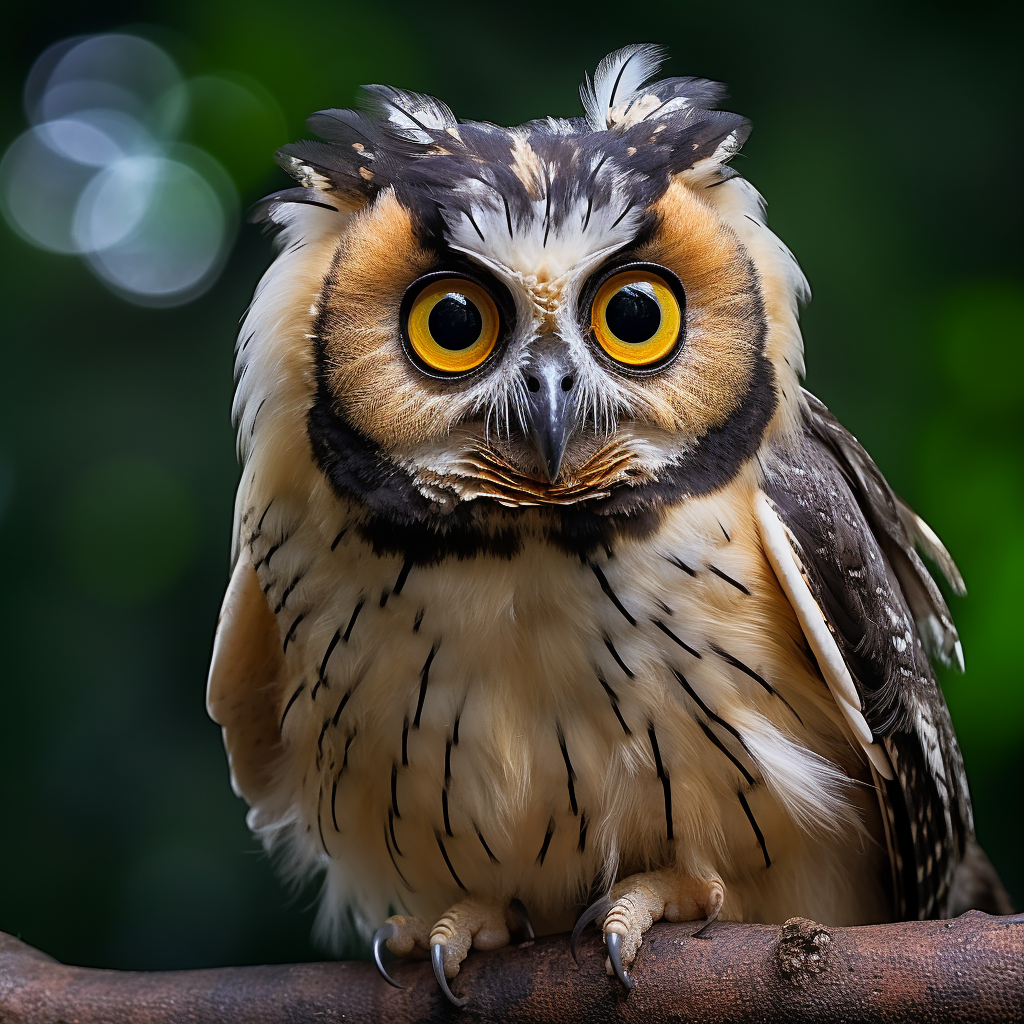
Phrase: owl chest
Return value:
(476, 719)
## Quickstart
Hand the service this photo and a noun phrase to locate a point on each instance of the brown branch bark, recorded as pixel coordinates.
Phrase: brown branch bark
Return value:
(968, 969)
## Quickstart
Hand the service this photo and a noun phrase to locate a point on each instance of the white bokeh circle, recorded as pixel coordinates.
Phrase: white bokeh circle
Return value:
(155, 228)
(99, 174)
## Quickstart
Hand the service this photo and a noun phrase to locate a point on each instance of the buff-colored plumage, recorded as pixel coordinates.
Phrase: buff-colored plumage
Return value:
(447, 678)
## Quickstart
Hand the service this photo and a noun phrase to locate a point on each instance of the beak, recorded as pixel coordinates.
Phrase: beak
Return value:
(550, 382)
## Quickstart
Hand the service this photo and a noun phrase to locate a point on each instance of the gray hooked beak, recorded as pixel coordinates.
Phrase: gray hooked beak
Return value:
(550, 404)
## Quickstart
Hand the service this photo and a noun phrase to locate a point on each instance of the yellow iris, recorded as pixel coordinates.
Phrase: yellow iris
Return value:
(452, 325)
(636, 317)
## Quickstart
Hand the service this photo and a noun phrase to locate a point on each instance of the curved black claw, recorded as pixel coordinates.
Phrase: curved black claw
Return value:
(613, 940)
(383, 933)
(437, 961)
(699, 933)
(599, 908)
(522, 916)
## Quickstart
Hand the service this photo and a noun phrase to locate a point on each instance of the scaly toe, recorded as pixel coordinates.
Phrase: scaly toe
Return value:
(400, 935)
(404, 934)
(640, 900)
(469, 923)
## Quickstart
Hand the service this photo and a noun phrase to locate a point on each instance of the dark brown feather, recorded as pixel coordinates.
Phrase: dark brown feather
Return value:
(877, 598)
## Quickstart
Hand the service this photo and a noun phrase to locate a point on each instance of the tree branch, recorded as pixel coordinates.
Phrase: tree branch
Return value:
(968, 969)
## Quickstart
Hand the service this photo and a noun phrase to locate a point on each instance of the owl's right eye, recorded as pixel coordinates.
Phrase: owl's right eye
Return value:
(637, 316)
(451, 325)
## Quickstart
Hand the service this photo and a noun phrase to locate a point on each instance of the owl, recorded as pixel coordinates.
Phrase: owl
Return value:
(551, 585)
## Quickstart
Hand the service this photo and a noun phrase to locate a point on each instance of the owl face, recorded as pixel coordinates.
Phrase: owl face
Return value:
(563, 316)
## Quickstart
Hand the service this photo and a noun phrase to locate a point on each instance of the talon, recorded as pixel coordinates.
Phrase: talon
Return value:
(599, 908)
(386, 931)
(522, 918)
(614, 943)
(711, 918)
(437, 961)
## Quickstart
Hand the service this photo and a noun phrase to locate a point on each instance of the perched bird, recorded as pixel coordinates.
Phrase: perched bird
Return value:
(550, 582)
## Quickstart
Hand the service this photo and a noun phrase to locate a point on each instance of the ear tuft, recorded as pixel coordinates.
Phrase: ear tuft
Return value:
(412, 116)
(617, 78)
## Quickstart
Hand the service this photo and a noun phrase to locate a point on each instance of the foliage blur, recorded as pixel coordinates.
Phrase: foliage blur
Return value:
(886, 140)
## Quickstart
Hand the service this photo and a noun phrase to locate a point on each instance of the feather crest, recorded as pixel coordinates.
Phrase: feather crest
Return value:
(617, 77)
(413, 116)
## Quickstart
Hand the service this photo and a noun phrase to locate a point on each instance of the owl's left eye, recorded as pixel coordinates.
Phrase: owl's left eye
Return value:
(451, 325)
(636, 317)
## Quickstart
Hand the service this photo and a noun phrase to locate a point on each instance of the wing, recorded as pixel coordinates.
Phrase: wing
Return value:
(245, 687)
(843, 546)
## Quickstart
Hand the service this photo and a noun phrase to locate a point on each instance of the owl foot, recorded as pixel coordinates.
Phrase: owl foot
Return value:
(636, 902)
(477, 923)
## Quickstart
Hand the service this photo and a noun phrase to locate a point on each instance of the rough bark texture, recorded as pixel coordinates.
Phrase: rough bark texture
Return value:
(968, 969)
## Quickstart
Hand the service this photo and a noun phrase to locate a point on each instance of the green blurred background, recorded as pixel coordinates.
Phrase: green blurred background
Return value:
(887, 143)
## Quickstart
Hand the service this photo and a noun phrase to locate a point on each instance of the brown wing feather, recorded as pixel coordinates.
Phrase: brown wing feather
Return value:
(852, 539)
(247, 675)
(898, 529)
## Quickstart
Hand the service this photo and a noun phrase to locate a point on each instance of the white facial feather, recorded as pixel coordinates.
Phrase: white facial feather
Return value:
(538, 247)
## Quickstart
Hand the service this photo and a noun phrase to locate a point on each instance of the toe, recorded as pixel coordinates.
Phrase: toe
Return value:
(469, 923)
(614, 943)
(640, 900)
(696, 900)
(403, 934)
(631, 914)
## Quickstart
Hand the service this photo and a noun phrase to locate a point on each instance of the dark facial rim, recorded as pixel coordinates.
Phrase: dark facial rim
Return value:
(589, 292)
(398, 518)
(502, 301)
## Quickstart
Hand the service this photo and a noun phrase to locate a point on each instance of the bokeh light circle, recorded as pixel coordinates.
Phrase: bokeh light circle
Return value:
(39, 192)
(101, 175)
(152, 226)
(132, 73)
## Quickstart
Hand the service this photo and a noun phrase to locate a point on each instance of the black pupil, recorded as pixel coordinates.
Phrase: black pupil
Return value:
(633, 314)
(455, 322)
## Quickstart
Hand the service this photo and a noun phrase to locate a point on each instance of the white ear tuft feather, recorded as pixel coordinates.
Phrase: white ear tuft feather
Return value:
(412, 114)
(618, 76)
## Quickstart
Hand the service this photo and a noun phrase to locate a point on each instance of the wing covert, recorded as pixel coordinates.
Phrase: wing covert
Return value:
(245, 684)
(852, 543)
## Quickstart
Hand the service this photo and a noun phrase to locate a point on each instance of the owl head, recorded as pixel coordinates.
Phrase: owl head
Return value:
(564, 326)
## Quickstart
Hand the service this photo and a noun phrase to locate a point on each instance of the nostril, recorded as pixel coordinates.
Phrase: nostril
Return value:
(532, 384)
(567, 383)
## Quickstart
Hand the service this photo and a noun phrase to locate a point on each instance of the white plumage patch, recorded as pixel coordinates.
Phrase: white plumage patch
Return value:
(536, 248)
